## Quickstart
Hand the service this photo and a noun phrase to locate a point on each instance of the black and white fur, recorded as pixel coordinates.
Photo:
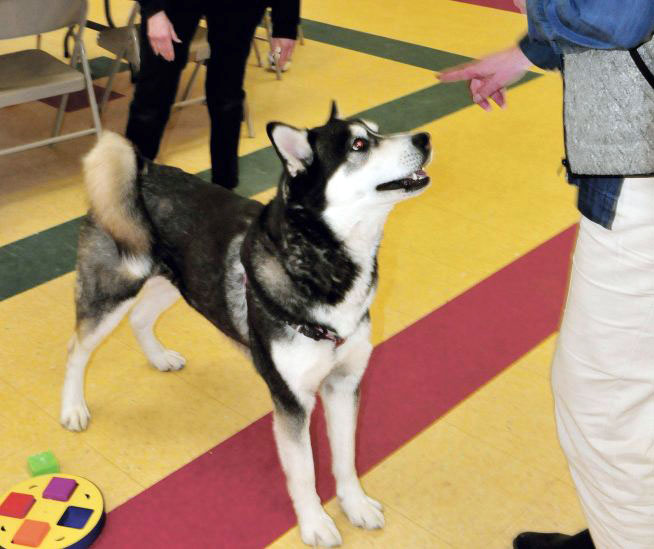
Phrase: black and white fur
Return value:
(264, 275)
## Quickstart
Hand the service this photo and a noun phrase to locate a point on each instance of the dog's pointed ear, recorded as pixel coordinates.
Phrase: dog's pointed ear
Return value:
(334, 114)
(292, 146)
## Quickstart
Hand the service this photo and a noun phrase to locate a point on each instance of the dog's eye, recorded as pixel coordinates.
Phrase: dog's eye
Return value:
(360, 144)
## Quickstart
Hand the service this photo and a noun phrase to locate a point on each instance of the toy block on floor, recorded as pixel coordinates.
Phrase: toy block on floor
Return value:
(59, 488)
(16, 505)
(40, 464)
(31, 533)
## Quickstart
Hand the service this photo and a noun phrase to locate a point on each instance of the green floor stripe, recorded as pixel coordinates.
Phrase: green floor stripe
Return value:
(258, 171)
(380, 46)
(44, 256)
(101, 67)
(38, 258)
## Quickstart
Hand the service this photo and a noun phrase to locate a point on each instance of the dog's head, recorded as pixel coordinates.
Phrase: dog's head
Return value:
(349, 163)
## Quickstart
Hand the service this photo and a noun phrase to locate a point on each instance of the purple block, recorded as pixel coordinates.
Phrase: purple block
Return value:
(59, 488)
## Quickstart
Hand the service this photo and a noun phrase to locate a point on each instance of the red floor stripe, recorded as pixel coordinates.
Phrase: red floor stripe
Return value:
(507, 5)
(234, 495)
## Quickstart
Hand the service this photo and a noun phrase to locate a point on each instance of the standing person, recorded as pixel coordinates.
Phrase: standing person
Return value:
(603, 369)
(167, 29)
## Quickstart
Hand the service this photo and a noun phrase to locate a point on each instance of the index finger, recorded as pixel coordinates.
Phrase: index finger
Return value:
(467, 72)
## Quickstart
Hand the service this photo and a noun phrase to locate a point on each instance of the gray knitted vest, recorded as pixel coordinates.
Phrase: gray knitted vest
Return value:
(609, 111)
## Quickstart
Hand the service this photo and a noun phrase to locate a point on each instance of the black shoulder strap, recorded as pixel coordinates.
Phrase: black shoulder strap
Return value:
(642, 67)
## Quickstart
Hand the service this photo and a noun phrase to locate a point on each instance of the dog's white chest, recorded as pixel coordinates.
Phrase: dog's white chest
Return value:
(361, 240)
(346, 315)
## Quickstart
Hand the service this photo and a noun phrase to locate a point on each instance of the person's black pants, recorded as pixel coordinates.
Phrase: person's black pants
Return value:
(231, 25)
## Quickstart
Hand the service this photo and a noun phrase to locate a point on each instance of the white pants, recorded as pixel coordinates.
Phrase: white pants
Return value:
(603, 372)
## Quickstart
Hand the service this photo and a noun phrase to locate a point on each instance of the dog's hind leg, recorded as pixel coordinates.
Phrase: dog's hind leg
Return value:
(156, 296)
(89, 334)
(340, 396)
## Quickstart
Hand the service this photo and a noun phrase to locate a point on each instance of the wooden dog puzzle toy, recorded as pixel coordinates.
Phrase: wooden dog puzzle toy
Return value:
(51, 511)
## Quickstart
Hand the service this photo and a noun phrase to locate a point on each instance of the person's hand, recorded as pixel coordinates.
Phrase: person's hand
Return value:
(282, 49)
(489, 76)
(521, 5)
(161, 35)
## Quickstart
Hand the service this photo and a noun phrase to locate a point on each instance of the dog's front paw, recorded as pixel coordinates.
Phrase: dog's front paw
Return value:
(319, 529)
(75, 417)
(363, 511)
(168, 360)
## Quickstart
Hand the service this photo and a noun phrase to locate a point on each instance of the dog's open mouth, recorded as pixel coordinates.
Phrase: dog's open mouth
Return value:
(417, 180)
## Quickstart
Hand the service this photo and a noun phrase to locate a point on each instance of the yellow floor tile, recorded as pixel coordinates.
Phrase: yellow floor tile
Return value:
(441, 24)
(34, 332)
(555, 510)
(21, 422)
(215, 365)
(150, 431)
(455, 486)
(539, 359)
(518, 418)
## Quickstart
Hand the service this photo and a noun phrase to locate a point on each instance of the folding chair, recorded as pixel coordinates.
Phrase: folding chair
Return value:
(33, 74)
(123, 42)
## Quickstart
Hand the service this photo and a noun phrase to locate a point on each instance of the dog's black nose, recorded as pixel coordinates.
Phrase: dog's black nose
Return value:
(421, 140)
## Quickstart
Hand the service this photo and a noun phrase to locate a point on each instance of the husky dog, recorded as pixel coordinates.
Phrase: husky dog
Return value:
(292, 281)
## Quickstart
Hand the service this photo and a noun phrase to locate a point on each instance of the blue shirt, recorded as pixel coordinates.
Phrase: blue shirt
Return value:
(597, 24)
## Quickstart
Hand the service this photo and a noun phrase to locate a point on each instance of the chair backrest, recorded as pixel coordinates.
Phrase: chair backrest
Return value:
(27, 17)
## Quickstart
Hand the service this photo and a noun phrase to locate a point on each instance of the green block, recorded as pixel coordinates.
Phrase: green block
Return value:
(43, 463)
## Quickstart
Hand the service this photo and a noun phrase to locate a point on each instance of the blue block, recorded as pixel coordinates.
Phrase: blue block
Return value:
(75, 517)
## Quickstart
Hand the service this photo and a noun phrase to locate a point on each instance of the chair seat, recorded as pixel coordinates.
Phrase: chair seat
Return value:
(114, 40)
(30, 75)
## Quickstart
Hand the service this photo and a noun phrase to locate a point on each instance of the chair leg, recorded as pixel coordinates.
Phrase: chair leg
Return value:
(133, 51)
(248, 118)
(300, 34)
(89, 88)
(136, 51)
(131, 56)
(257, 53)
(190, 83)
(115, 67)
(267, 23)
(60, 115)
(64, 99)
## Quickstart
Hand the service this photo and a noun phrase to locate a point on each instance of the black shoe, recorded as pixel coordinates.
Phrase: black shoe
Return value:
(534, 540)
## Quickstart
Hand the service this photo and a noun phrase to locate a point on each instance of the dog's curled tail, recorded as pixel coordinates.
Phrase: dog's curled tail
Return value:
(110, 174)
